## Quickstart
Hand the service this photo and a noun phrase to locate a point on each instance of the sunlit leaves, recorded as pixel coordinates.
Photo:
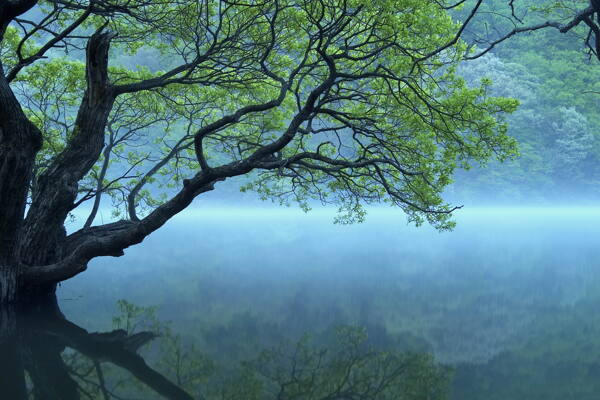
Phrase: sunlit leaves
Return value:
(383, 115)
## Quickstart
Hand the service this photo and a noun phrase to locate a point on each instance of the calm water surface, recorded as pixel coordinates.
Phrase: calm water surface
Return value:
(509, 301)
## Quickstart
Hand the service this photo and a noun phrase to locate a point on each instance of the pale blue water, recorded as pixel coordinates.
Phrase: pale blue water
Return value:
(509, 299)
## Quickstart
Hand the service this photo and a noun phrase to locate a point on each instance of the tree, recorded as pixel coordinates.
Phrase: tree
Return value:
(335, 100)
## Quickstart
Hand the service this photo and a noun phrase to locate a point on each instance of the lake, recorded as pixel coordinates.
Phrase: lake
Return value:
(504, 307)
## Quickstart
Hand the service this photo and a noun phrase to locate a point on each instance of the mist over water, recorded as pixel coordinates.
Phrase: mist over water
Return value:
(508, 298)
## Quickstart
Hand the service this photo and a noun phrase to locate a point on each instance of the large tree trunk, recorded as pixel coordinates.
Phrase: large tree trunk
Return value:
(20, 141)
(9, 283)
(39, 239)
(18, 147)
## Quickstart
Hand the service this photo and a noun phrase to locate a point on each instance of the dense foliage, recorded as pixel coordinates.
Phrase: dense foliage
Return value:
(388, 118)
(555, 78)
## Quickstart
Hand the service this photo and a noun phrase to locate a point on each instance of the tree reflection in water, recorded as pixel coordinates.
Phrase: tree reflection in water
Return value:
(46, 357)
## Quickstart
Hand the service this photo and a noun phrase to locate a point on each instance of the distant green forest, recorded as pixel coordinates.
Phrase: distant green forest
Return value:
(557, 124)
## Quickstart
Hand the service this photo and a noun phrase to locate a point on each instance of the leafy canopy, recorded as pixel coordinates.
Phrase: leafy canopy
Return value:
(343, 101)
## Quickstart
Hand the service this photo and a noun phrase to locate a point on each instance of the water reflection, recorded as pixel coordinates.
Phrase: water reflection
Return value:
(509, 299)
(46, 356)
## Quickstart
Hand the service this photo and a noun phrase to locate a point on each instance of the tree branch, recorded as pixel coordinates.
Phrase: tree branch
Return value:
(581, 16)
(56, 187)
(23, 62)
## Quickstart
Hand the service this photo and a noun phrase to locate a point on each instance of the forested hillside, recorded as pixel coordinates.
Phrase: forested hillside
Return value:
(558, 123)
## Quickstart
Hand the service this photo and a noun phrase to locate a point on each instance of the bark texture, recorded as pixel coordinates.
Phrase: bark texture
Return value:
(20, 141)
